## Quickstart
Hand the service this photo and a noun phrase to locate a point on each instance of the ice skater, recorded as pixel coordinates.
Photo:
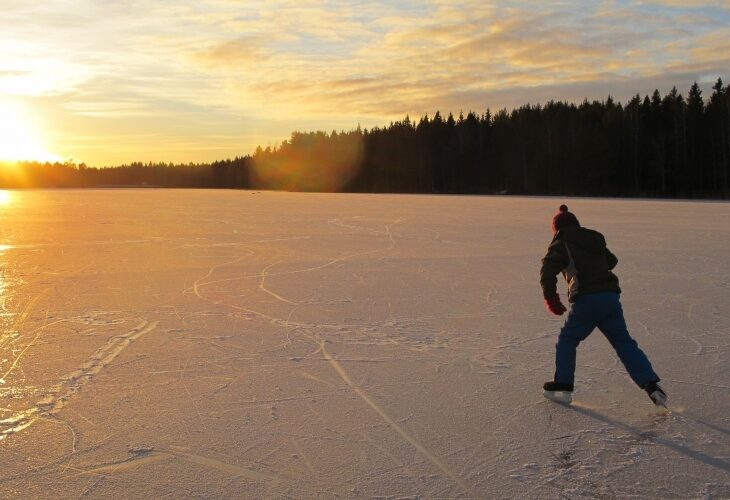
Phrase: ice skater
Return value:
(581, 255)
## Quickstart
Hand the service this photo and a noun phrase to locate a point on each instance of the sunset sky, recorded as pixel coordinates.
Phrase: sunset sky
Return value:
(106, 82)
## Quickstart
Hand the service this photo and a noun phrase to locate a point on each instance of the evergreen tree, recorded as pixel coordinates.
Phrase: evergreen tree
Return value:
(656, 146)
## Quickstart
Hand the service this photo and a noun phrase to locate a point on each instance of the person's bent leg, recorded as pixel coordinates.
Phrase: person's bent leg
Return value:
(579, 324)
(633, 358)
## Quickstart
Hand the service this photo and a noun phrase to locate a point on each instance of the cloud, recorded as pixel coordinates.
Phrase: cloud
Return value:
(694, 4)
(13, 73)
(266, 68)
(529, 50)
(235, 52)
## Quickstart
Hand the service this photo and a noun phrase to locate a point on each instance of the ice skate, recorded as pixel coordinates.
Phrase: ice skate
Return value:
(656, 393)
(560, 393)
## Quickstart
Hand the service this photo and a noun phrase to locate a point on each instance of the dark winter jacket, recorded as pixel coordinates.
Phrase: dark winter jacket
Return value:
(585, 261)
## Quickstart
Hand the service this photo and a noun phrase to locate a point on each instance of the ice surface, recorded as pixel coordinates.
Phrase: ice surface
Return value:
(217, 344)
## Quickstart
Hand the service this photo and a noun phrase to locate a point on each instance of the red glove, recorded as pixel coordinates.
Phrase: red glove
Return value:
(554, 305)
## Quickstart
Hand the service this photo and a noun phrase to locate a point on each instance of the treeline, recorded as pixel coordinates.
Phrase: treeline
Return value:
(668, 146)
(663, 146)
(220, 174)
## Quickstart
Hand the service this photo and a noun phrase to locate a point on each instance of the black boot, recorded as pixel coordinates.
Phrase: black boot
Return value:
(656, 393)
(557, 386)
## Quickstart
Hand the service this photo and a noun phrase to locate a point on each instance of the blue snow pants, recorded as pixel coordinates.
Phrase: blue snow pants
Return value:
(602, 310)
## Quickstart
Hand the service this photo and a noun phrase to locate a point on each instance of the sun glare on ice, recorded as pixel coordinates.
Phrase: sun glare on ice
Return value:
(19, 137)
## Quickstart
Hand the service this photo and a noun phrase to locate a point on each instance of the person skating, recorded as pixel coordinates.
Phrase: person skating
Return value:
(583, 258)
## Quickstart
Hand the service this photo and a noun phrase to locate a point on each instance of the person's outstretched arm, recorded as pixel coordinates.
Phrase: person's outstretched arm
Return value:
(555, 261)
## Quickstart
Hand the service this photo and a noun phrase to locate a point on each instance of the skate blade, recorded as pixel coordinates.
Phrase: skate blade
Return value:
(562, 397)
(659, 399)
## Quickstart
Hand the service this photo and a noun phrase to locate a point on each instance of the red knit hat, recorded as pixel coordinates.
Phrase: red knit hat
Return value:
(564, 218)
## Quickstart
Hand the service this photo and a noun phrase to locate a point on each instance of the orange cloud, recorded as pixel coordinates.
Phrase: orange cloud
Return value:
(243, 50)
(265, 69)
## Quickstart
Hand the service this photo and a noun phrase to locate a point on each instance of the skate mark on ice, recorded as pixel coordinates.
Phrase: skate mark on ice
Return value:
(349, 256)
(102, 358)
(695, 342)
(682, 414)
(73, 382)
(211, 463)
(398, 464)
(303, 456)
(392, 423)
(74, 437)
(19, 421)
(124, 465)
(199, 282)
(378, 232)
(19, 321)
(23, 419)
(193, 403)
(643, 436)
(488, 362)
(262, 287)
(315, 378)
(38, 332)
(338, 222)
(340, 259)
(99, 318)
(146, 456)
(647, 330)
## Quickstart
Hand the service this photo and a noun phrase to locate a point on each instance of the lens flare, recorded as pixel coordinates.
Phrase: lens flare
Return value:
(309, 162)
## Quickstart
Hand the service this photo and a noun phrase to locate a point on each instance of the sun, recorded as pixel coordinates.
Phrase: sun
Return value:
(20, 138)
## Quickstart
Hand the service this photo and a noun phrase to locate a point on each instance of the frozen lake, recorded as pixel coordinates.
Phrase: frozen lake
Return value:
(217, 344)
